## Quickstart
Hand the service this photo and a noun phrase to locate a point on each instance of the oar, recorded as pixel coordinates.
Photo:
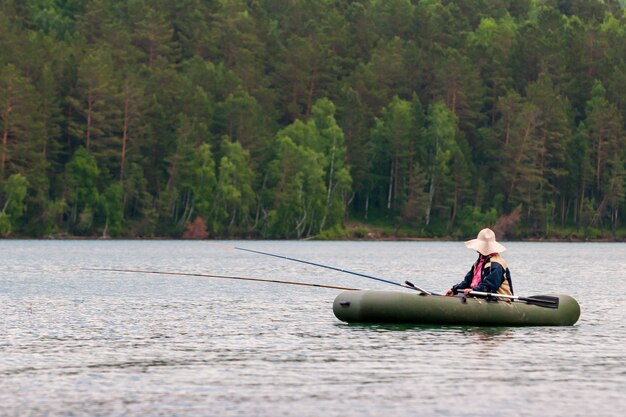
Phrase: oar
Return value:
(407, 285)
(547, 301)
(188, 274)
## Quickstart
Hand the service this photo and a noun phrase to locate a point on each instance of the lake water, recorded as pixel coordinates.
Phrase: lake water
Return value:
(77, 342)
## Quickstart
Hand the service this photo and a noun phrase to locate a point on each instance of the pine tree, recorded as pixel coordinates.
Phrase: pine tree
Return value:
(96, 109)
(152, 32)
(21, 147)
(605, 133)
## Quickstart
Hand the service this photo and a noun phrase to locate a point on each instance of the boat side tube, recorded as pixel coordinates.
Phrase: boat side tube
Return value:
(394, 307)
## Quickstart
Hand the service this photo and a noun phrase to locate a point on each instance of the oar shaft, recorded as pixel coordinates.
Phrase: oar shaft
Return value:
(189, 274)
(539, 300)
(489, 294)
(414, 287)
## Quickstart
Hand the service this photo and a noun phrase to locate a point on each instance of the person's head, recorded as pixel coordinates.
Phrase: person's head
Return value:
(485, 243)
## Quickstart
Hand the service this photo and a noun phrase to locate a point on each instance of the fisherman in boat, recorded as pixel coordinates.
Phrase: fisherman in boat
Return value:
(489, 273)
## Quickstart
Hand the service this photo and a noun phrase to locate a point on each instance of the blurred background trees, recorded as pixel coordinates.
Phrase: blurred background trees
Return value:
(286, 119)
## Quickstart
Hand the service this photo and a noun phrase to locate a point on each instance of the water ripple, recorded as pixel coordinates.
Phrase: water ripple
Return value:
(76, 342)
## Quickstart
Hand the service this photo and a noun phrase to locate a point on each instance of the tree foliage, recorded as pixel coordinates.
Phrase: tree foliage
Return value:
(284, 119)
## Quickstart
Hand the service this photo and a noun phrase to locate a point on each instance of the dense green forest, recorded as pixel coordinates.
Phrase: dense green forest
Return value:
(295, 118)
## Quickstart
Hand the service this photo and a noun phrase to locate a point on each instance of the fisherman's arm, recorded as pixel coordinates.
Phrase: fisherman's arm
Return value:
(467, 281)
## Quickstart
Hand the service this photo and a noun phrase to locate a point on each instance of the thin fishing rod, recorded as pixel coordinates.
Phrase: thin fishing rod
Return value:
(406, 285)
(189, 274)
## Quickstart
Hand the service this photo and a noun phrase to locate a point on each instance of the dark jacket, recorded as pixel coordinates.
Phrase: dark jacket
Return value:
(491, 278)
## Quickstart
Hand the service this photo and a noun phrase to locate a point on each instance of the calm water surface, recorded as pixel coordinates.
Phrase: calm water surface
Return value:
(76, 342)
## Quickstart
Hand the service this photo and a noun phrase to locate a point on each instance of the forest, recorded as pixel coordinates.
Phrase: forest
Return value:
(293, 119)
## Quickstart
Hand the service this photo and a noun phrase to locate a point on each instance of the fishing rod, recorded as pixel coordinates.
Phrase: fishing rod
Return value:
(407, 284)
(189, 274)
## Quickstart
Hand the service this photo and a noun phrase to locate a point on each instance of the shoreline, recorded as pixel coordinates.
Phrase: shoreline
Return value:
(346, 239)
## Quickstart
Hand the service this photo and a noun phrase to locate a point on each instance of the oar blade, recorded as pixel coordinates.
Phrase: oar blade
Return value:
(547, 301)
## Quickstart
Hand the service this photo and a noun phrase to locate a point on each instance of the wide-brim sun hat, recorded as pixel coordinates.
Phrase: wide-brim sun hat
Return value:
(485, 243)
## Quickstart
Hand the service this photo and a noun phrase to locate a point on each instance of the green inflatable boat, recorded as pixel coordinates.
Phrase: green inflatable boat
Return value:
(394, 307)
